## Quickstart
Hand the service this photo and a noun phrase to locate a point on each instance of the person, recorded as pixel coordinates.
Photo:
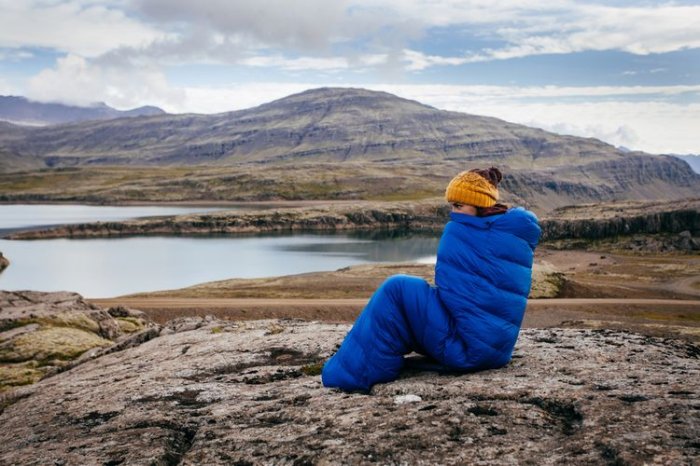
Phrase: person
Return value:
(470, 319)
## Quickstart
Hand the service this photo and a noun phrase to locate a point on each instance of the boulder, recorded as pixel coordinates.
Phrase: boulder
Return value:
(4, 263)
(221, 392)
(43, 333)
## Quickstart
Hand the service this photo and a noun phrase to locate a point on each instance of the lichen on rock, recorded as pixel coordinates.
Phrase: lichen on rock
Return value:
(241, 396)
(51, 345)
(43, 333)
(547, 281)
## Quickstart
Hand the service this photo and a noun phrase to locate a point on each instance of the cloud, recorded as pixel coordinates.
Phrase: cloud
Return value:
(630, 116)
(76, 81)
(6, 88)
(87, 28)
(557, 27)
(234, 97)
(319, 32)
(15, 55)
(305, 24)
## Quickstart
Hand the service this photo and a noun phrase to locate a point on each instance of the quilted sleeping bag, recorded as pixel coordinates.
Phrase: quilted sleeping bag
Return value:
(468, 321)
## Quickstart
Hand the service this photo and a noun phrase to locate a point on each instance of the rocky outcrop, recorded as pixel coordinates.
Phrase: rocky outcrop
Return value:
(367, 216)
(651, 227)
(4, 263)
(587, 222)
(45, 333)
(216, 392)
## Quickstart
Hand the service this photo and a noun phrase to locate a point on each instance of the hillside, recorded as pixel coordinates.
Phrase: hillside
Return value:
(22, 111)
(323, 124)
(327, 143)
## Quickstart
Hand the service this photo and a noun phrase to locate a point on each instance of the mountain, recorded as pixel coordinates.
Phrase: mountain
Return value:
(322, 124)
(22, 111)
(378, 132)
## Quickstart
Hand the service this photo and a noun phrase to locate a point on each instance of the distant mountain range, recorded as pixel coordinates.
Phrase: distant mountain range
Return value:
(355, 126)
(21, 111)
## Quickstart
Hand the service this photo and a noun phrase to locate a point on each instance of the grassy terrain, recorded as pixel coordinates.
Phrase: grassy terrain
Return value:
(110, 185)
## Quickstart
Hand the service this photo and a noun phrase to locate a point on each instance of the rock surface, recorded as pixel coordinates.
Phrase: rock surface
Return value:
(44, 333)
(217, 392)
(4, 263)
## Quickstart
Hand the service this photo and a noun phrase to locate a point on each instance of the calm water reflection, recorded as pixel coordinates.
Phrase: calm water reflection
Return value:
(110, 267)
(99, 268)
(22, 216)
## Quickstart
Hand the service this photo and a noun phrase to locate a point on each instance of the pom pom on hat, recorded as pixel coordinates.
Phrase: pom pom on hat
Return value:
(476, 187)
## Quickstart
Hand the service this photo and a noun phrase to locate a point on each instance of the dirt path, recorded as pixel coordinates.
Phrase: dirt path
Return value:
(180, 303)
(659, 317)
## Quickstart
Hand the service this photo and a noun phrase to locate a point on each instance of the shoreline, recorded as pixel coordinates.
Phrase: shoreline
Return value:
(212, 203)
(585, 222)
(658, 296)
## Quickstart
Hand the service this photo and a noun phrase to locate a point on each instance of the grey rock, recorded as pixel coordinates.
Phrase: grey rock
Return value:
(45, 333)
(4, 263)
(218, 392)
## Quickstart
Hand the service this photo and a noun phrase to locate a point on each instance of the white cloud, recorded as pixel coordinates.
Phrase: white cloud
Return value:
(6, 88)
(323, 33)
(87, 28)
(15, 55)
(304, 24)
(234, 97)
(76, 81)
(536, 28)
(298, 64)
(643, 124)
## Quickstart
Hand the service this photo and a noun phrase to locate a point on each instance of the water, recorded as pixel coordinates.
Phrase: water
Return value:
(19, 216)
(99, 268)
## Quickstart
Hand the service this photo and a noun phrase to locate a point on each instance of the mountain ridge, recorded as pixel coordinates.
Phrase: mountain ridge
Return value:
(360, 130)
(22, 111)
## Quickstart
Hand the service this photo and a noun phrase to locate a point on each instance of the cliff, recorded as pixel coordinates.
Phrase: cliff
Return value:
(596, 221)
(361, 216)
(217, 392)
(587, 222)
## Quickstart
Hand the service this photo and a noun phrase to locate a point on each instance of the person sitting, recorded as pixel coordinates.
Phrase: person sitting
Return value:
(470, 319)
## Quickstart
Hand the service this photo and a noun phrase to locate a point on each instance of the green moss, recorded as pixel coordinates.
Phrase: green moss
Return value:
(50, 344)
(15, 375)
(129, 324)
(217, 330)
(675, 317)
(404, 196)
(313, 369)
(547, 282)
(71, 320)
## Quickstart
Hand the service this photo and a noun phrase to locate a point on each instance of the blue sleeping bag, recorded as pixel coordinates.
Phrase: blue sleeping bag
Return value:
(468, 321)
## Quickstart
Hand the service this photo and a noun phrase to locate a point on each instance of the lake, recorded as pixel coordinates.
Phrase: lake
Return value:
(101, 268)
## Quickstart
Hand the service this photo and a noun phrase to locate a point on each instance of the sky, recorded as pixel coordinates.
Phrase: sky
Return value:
(625, 72)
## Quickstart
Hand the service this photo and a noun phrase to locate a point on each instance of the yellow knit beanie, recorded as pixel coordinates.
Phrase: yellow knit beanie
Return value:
(473, 188)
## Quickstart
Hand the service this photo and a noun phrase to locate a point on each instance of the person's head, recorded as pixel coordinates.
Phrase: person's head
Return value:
(473, 190)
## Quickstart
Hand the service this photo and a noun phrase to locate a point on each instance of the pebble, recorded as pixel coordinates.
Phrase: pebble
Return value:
(403, 399)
